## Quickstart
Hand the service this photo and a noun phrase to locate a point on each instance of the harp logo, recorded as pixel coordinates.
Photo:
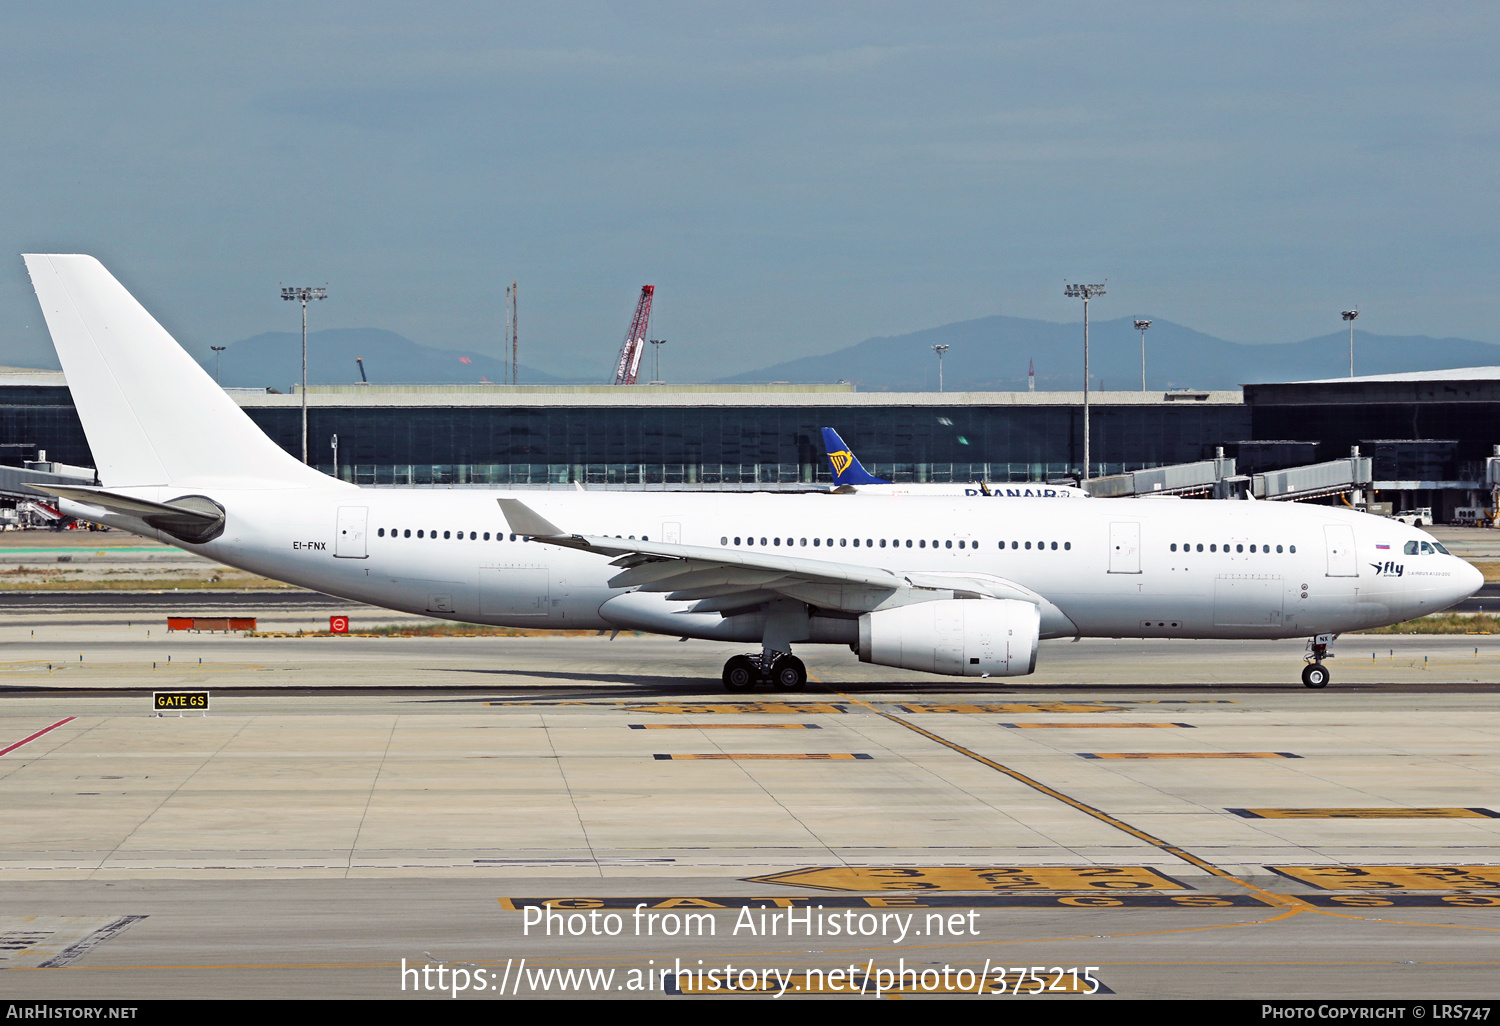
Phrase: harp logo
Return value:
(841, 461)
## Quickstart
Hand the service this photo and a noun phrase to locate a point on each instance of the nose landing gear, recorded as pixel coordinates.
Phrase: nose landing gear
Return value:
(781, 670)
(1315, 674)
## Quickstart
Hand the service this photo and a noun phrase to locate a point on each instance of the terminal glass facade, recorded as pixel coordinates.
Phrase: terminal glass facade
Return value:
(743, 445)
(706, 445)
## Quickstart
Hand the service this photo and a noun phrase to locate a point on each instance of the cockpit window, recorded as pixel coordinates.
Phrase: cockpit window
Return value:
(1426, 549)
(1439, 547)
(1410, 549)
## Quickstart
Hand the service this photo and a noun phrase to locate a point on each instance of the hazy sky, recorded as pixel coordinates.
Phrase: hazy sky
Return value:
(792, 177)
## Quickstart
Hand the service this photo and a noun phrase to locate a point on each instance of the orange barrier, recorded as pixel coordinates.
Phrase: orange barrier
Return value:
(211, 623)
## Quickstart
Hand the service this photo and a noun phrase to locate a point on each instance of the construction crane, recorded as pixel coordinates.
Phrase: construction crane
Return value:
(635, 339)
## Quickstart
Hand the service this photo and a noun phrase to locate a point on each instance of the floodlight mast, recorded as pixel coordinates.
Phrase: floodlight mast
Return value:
(217, 350)
(1085, 293)
(1141, 326)
(1350, 315)
(656, 344)
(301, 295)
(940, 350)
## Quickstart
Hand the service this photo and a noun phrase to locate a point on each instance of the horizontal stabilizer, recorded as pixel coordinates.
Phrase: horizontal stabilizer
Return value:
(191, 518)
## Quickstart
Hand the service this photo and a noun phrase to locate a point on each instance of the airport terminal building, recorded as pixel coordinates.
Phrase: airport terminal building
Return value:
(1429, 434)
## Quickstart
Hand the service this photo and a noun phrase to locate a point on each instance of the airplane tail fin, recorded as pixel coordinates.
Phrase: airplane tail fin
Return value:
(151, 414)
(846, 468)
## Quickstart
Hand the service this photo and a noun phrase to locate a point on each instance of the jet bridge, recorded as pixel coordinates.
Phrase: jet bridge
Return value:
(1216, 478)
(1336, 477)
(13, 480)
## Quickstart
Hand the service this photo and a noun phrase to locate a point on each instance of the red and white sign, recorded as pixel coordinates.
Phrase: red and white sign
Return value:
(338, 624)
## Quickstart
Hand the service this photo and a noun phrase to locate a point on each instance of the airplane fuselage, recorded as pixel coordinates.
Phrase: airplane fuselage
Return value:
(1111, 567)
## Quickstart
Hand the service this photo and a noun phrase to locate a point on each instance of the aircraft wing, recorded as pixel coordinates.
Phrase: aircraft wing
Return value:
(719, 579)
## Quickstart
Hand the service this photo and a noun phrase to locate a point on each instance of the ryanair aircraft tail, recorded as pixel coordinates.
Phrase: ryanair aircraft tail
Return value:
(151, 414)
(846, 468)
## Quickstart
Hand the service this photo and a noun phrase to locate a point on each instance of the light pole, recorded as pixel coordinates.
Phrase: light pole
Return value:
(1350, 315)
(302, 295)
(1085, 293)
(656, 344)
(940, 350)
(217, 350)
(335, 444)
(1141, 326)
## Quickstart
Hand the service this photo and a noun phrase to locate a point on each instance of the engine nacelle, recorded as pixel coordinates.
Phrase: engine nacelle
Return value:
(959, 637)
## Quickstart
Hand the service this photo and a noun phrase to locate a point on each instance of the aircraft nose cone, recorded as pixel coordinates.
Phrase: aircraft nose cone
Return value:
(1470, 580)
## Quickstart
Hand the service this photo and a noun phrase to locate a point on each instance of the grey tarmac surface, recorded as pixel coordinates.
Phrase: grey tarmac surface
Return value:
(350, 802)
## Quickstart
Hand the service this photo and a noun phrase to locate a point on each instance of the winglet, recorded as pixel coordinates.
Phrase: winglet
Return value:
(846, 468)
(524, 520)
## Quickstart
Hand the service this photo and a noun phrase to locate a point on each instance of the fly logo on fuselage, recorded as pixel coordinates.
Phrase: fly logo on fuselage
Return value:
(841, 460)
(1388, 569)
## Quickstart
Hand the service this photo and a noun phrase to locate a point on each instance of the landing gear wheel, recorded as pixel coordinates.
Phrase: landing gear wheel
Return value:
(788, 674)
(1315, 675)
(740, 674)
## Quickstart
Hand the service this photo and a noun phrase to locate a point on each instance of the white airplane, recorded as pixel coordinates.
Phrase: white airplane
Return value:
(939, 585)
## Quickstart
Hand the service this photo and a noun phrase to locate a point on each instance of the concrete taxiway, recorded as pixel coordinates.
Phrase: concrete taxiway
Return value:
(1182, 815)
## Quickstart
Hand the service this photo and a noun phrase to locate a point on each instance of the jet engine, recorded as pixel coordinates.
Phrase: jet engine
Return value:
(959, 637)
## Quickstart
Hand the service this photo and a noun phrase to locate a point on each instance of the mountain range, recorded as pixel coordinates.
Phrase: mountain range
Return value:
(993, 353)
(987, 354)
(274, 360)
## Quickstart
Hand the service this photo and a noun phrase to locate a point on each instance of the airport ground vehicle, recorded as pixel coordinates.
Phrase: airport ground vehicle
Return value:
(931, 583)
(1419, 517)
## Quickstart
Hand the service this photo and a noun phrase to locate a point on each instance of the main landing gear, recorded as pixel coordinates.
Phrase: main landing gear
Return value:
(781, 670)
(1315, 674)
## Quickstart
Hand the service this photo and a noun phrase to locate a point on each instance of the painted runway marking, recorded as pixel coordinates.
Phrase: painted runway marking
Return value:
(1426, 878)
(1104, 705)
(1404, 900)
(51, 942)
(1013, 707)
(737, 757)
(33, 737)
(1358, 813)
(974, 878)
(913, 901)
(1092, 726)
(778, 708)
(701, 709)
(724, 726)
(1189, 755)
(1292, 902)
